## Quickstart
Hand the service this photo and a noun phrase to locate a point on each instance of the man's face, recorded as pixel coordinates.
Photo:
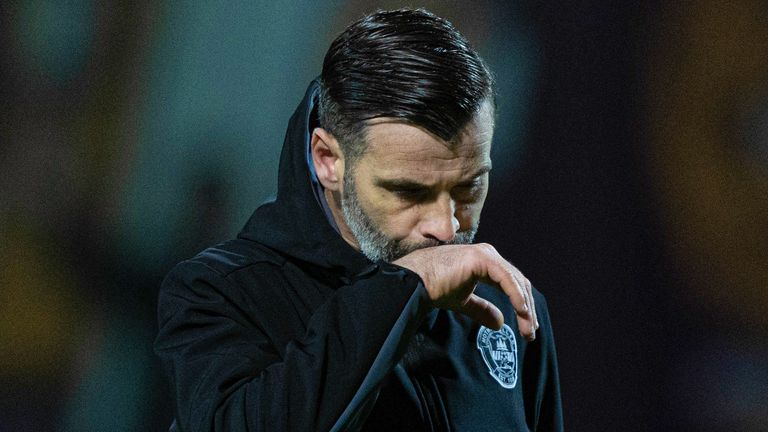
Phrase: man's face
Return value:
(411, 190)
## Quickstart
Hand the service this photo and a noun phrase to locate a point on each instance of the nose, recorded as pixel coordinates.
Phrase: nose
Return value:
(439, 220)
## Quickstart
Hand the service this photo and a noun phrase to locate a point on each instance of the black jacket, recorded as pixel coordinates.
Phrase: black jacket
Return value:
(287, 327)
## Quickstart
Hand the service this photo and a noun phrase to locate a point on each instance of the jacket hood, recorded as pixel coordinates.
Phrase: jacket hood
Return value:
(295, 223)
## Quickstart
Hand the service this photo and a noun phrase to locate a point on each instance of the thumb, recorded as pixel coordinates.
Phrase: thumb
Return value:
(482, 311)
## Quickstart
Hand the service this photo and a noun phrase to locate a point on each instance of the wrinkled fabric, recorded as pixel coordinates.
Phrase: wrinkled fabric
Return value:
(288, 328)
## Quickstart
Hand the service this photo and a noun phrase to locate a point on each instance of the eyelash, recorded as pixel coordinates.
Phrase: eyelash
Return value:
(469, 188)
(409, 193)
(474, 185)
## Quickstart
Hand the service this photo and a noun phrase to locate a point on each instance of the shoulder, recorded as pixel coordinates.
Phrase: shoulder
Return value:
(226, 259)
(234, 255)
(230, 279)
(216, 268)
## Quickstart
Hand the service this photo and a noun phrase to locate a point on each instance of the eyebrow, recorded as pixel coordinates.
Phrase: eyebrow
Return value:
(408, 184)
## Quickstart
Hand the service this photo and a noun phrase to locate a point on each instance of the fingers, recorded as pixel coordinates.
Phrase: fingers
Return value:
(532, 322)
(529, 289)
(517, 288)
(451, 286)
(482, 311)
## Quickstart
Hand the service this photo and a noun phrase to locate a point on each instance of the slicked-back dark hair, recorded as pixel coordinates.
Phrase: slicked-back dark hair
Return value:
(408, 64)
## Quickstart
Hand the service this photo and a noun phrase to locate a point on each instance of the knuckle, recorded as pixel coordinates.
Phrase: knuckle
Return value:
(479, 252)
(487, 248)
(516, 278)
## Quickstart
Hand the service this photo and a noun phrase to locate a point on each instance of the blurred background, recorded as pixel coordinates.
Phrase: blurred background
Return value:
(630, 184)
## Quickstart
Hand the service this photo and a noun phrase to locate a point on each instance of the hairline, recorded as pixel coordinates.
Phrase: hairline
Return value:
(350, 160)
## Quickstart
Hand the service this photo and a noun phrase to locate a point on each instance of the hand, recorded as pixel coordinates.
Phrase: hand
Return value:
(451, 272)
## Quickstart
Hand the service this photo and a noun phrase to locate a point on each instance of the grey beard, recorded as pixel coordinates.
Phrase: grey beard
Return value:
(376, 245)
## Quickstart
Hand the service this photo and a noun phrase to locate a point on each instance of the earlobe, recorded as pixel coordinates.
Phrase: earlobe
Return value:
(326, 156)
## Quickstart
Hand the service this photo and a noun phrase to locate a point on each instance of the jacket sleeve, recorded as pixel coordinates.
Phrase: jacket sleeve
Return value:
(545, 402)
(226, 375)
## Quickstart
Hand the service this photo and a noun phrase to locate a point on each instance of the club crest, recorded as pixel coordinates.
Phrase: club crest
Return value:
(499, 351)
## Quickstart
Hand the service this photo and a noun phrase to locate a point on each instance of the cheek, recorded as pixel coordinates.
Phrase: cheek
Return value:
(393, 218)
(468, 215)
(390, 216)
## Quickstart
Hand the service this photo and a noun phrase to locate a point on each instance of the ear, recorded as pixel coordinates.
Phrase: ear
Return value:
(327, 158)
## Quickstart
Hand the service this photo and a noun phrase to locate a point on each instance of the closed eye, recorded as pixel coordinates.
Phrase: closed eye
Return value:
(405, 189)
(469, 185)
(468, 191)
(410, 193)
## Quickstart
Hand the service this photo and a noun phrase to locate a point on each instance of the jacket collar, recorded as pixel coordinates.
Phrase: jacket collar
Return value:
(295, 223)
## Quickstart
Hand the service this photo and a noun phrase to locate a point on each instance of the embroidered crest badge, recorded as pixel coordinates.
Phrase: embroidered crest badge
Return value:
(499, 351)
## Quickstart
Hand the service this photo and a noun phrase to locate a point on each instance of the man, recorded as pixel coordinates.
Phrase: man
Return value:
(355, 300)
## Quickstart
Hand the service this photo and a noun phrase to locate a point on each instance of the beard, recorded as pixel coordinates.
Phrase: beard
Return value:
(376, 245)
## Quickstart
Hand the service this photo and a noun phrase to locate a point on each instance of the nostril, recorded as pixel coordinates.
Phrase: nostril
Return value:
(431, 241)
(440, 236)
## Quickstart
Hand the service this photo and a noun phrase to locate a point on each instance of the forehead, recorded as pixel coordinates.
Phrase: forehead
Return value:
(396, 147)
